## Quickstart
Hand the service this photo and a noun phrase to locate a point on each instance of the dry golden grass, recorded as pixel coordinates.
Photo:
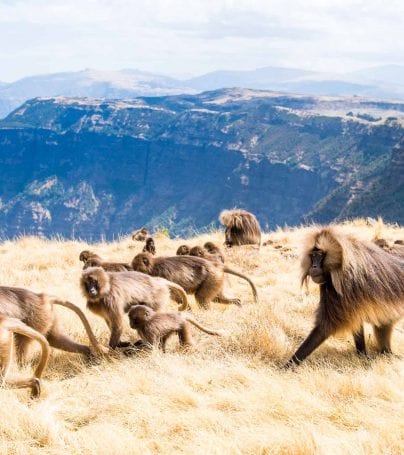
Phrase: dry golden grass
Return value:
(226, 395)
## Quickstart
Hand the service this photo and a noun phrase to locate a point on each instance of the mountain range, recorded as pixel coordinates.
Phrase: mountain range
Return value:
(381, 82)
(95, 168)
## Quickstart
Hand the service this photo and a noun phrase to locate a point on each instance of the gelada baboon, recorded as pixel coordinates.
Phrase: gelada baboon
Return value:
(155, 328)
(140, 235)
(9, 327)
(203, 253)
(359, 282)
(38, 312)
(196, 275)
(108, 266)
(396, 248)
(85, 255)
(111, 294)
(242, 228)
(183, 250)
(150, 246)
(212, 248)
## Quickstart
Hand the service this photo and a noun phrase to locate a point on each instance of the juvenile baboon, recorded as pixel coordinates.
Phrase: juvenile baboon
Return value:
(150, 246)
(200, 252)
(212, 248)
(9, 327)
(86, 255)
(242, 228)
(382, 243)
(359, 282)
(183, 250)
(108, 266)
(196, 275)
(155, 328)
(396, 248)
(111, 294)
(140, 235)
(38, 312)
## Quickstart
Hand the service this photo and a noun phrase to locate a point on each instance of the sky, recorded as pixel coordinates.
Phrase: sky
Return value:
(189, 38)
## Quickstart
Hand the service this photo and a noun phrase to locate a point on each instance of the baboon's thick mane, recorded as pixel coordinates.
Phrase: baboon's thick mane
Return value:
(359, 270)
(244, 223)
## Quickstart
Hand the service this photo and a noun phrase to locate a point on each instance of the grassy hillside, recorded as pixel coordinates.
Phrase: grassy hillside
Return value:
(225, 395)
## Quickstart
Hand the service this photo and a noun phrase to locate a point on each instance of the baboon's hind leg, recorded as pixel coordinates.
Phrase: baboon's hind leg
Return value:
(205, 294)
(383, 337)
(359, 339)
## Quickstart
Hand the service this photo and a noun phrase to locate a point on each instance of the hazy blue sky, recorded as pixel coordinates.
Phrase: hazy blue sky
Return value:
(185, 38)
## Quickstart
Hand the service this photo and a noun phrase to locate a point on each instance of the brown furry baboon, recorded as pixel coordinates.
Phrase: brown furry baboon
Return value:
(382, 243)
(359, 282)
(196, 275)
(140, 235)
(108, 266)
(85, 255)
(396, 248)
(150, 246)
(111, 294)
(9, 327)
(38, 312)
(183, 250)
(212, 248)
(242, 228)
(200, 252)
(155, 328)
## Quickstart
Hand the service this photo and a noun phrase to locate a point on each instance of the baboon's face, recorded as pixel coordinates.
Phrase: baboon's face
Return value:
(141, 263)
(183, 250)
(138, 315)
(210, 247)
(197, 251)
(316, 270)
(84, 255)
(92, 286)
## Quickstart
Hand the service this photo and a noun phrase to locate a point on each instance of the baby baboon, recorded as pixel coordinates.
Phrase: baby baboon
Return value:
(37, 311)
(242, 228)
(111, 294)
(183, 250)
(212, 248)
(8, 327)
(155, 328)
(86, 255)
(382, 243)
(359, 282)
(396, 248)
(197, 276)
(108, 266)
(150, 246)
(140, 235)
(200, 252)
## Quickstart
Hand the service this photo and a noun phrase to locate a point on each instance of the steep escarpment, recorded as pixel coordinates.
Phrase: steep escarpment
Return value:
(91, 168)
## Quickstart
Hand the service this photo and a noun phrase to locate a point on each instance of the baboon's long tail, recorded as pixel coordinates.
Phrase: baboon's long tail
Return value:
(233, 272)
(179, 295)
(191, 319)
(96, 345)
(17, 326)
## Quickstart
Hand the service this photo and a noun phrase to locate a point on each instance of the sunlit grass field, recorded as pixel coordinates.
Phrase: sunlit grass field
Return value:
(224, 396)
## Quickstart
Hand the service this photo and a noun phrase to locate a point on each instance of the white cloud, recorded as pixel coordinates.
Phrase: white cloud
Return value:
(196, 36)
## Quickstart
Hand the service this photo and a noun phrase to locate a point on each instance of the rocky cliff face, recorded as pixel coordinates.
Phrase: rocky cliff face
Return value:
(91, 168)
